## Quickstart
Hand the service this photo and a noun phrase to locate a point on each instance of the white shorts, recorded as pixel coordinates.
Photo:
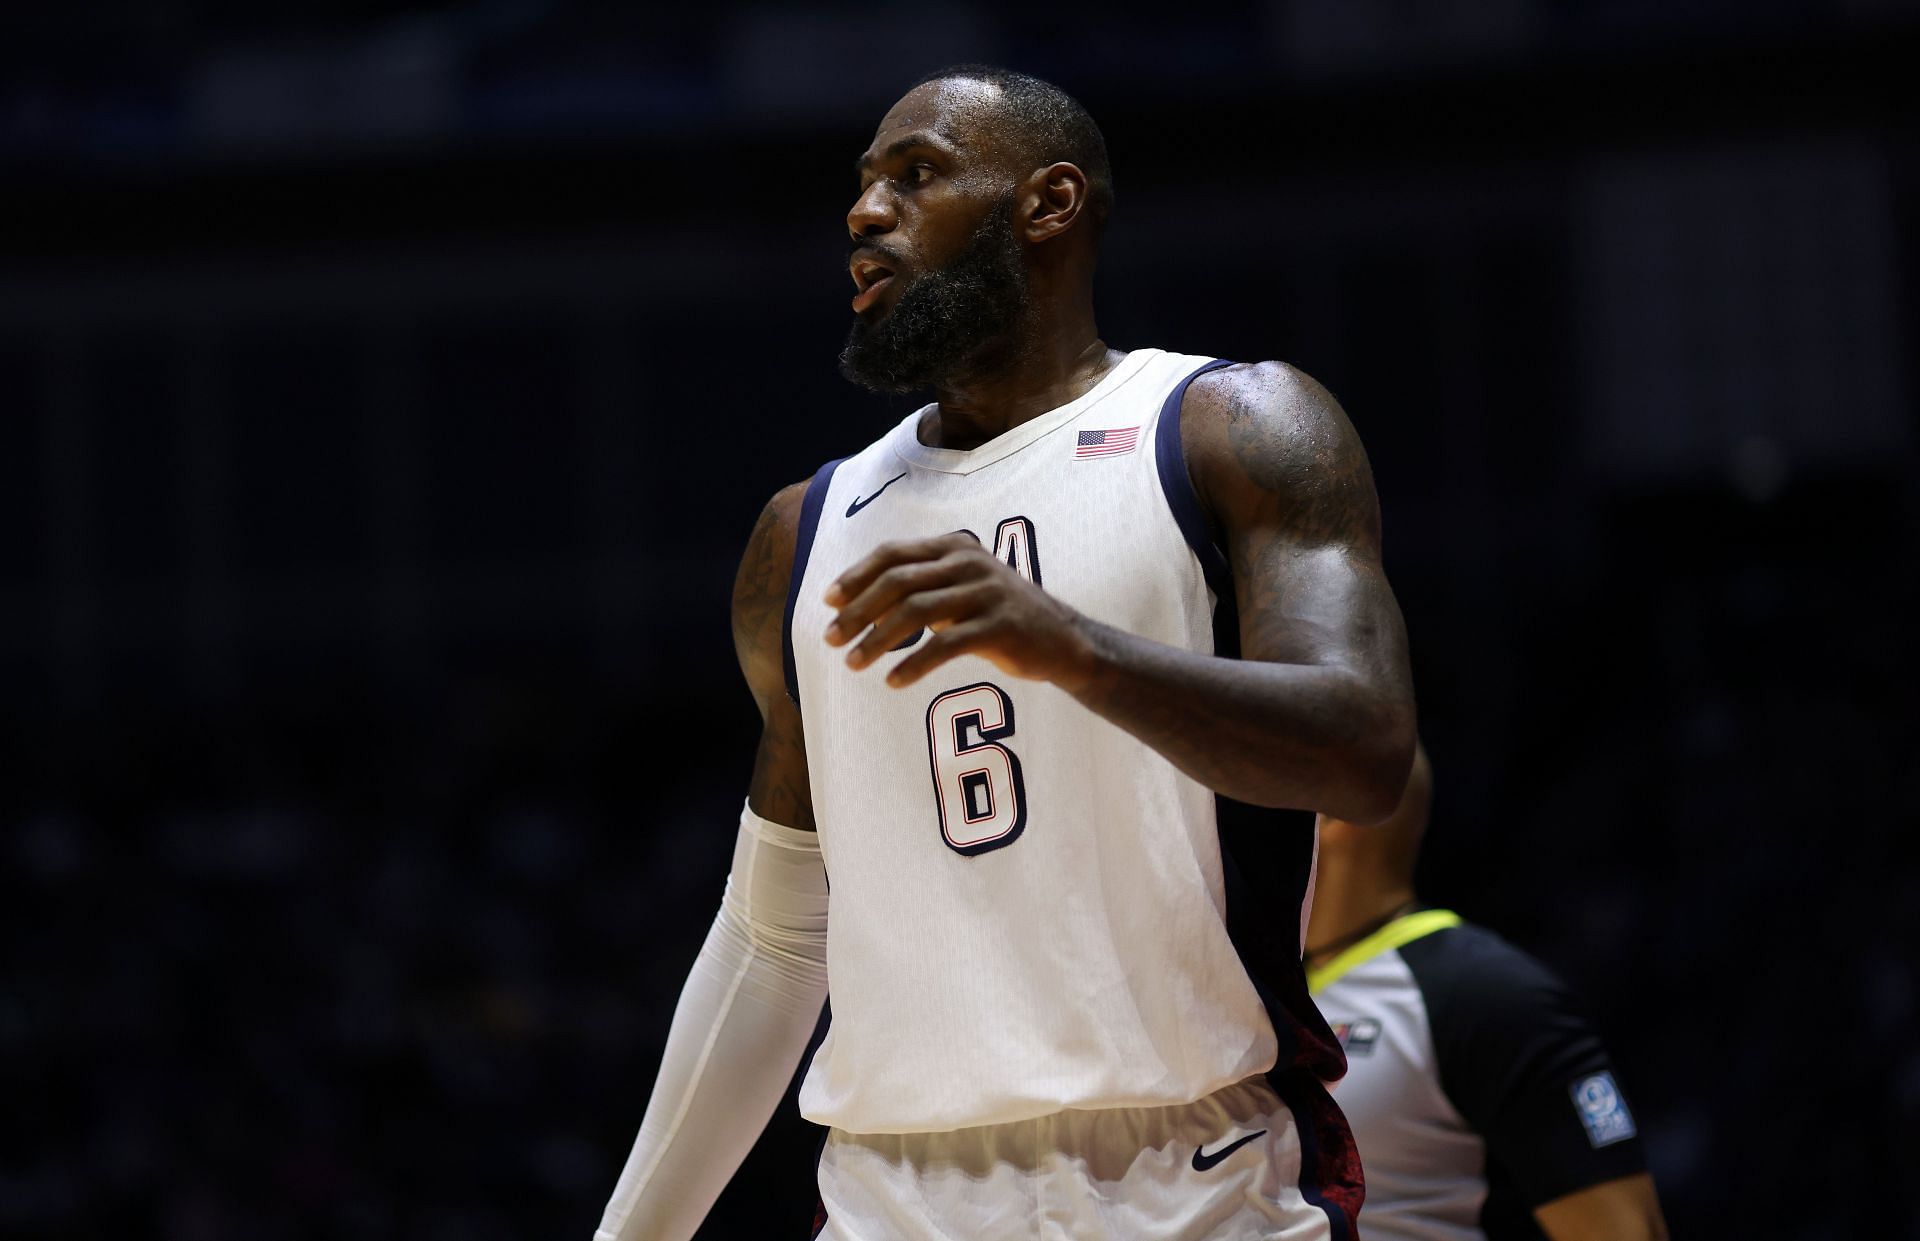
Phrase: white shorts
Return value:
(1225, 1168)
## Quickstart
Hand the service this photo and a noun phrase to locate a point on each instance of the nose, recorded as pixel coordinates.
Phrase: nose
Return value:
(873, 212)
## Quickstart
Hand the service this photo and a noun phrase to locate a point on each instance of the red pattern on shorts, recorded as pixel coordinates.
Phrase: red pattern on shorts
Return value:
(1330, 1172)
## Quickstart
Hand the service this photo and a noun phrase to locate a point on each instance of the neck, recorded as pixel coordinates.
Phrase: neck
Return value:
(1050, 370)
(1346, 905)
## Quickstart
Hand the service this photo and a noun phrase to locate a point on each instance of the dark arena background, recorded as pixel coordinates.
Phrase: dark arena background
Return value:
(387, 390)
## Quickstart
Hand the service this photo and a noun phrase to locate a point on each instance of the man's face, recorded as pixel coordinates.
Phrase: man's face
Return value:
(940, 276)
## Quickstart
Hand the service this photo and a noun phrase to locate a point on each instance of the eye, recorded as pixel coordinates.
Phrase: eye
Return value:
(920, 174)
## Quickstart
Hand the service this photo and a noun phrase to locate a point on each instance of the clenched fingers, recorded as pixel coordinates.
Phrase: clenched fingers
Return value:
(933, 609)
(938, 649)
(882, 583)
(850, 584)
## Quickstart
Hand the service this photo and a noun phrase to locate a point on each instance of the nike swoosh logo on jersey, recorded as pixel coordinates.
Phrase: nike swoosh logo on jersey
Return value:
(1202, 1161)
(859, 504)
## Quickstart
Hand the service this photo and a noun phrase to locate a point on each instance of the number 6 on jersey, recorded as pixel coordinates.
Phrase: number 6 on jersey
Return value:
(976, 780)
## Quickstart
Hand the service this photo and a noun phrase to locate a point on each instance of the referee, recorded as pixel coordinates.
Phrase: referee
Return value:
(1481, 1098)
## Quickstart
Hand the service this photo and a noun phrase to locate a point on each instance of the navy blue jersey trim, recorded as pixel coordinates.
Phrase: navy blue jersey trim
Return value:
(1266, 857)
(810, 506)
(1171, 462)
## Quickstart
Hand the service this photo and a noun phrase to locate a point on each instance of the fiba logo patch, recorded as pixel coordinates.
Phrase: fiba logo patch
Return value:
(1602, 1110)
(1357, 1037)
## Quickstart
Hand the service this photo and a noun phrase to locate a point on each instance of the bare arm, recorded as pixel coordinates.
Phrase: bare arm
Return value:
(1621, 1210)
(1318, 714)
(780, 791)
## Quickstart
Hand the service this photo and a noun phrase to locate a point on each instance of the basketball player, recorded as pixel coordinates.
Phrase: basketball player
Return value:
(984, 651)
(1470, 1067)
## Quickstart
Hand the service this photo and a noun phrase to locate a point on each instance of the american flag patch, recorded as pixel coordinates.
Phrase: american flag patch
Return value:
(1107, 443)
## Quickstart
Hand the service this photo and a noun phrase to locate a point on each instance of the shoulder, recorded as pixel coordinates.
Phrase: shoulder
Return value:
(769, 553)
(1502, 1022)
(1271, 406)
(1256, 385)
(1267, 439)
(1474, 969)
(760, 589)
(780, 516)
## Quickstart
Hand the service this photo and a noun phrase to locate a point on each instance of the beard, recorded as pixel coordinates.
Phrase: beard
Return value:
(950, 322)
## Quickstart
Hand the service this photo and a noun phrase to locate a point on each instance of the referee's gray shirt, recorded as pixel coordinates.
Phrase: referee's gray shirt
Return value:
(1476, 1088)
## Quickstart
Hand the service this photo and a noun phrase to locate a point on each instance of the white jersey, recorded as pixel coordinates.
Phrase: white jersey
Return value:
(1029, 907)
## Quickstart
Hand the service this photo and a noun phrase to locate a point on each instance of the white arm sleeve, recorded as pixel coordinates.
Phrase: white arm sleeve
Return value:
(744, 1018)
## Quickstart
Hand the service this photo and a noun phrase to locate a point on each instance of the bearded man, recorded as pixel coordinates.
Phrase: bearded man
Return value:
(1054, 677)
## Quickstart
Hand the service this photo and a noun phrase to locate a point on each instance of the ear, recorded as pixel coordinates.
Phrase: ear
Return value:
(1051, 201)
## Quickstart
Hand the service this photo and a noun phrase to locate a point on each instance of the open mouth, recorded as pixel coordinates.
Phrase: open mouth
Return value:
(870, 279)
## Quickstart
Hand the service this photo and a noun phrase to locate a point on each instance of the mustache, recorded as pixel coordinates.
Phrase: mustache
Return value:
(874, 250)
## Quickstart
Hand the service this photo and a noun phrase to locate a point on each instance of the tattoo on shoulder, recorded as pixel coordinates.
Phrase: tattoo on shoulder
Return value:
(760, 596)
(1289, 439)
(758, 587)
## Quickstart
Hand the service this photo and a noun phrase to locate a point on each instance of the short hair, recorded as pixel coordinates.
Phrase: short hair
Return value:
(1050, 126)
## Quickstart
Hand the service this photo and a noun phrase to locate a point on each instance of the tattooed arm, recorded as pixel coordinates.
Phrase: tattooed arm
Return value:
(1318, 715)
(780, 790)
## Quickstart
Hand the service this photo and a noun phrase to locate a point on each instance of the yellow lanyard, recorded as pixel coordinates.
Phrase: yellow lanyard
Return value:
(1400, 931)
